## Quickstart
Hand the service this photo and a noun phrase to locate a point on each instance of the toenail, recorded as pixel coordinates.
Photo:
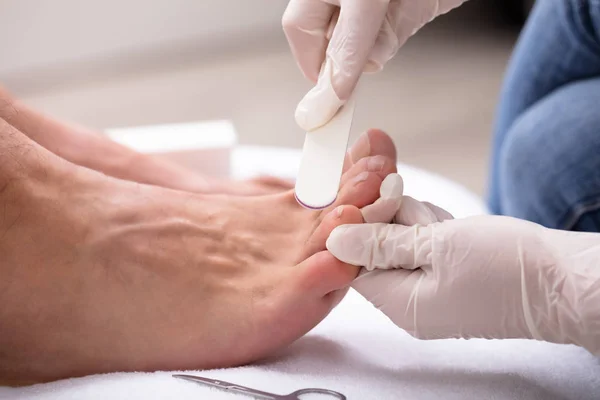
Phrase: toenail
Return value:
(375, 164)
(361, 149)
(339, 211)
(363, 176)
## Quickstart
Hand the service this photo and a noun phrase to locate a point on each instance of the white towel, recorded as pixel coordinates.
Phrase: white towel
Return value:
(360, 353)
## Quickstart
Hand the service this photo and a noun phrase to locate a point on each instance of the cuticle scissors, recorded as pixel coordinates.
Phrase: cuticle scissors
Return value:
(259, 394)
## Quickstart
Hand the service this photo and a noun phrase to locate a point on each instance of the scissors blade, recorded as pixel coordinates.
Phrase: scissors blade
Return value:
(217, 383)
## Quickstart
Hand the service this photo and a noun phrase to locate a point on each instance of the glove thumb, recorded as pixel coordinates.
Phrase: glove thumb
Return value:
(321, 103)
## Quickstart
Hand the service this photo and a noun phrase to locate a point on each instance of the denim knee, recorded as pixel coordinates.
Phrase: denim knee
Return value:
(549, 165)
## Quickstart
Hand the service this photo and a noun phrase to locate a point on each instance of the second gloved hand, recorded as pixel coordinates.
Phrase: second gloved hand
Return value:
(484, 277)
(335, 41)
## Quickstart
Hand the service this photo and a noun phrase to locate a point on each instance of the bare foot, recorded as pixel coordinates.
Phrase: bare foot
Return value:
(297, 232)
(260, 186)
(87, 148)
(113, 276)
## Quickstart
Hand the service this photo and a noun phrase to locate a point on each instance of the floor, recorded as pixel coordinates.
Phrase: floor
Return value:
(437, 98)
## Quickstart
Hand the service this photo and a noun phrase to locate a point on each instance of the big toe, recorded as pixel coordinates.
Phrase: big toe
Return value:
(360, 184)
(341, 215)
(374, 142)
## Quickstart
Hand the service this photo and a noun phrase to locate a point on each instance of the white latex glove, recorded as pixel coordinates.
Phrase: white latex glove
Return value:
(339, 39)
(484, 277)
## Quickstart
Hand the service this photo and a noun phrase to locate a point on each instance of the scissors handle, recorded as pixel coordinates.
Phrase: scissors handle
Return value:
(329, 394)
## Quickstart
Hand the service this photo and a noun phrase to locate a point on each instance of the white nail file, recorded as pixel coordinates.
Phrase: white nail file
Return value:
(322, 161)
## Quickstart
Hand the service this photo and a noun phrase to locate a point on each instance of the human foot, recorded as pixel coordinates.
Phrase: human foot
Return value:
(289, 233)
(91, 149)
(260, 186)
(276, 249)
(274, 232)
(133, 277)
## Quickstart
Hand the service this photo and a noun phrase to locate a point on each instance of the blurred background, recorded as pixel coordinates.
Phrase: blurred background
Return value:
(119, 63)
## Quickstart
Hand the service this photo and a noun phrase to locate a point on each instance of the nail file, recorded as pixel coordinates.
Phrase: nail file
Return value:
(322, 161)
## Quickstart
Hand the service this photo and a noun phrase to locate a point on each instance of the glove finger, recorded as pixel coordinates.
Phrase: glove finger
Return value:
(347, 54)
(389, 291)
(414, 212)
(404, 19)
(381, 246)
(352, 42)
(334, 20)
(306, 24)
(321, 103)
(441, 214)
(390, 201)
(385, 48)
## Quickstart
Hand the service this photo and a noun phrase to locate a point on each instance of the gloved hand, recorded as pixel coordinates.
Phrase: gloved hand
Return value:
(339, 39)
(483, 277)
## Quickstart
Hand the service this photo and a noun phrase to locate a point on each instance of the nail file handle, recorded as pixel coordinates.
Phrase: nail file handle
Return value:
(322, 161)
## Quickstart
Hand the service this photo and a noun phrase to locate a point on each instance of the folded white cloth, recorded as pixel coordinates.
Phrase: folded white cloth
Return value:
(360, 353)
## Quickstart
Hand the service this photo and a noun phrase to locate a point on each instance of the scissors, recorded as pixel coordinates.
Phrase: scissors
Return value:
(258, 394)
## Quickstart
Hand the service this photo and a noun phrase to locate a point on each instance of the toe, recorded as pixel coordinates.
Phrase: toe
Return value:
(360, 185)
(323, 274)
(380, 165)
(342, 215)
(382, 144)
(360, 149)
(371, 143)
(360, 191)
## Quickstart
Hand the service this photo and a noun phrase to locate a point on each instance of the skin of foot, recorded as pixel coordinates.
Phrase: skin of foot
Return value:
(91, 149)
(102, 274)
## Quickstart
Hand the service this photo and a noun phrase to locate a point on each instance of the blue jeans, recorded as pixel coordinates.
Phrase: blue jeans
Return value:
(546, 149)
